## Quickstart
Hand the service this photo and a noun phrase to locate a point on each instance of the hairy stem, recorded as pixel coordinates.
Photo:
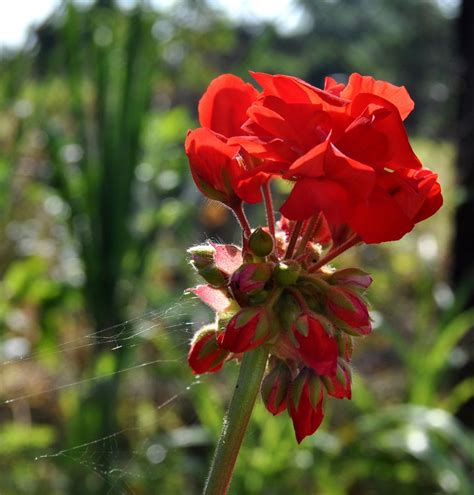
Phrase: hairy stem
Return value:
(352, 241)
(293, 238)
(308, 234)
(242, 219)
(267, 196)
(236, 421)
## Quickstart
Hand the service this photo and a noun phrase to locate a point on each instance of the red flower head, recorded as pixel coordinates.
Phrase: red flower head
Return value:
(355, 179)
(205, 356)
(338, 145)
(305, 404)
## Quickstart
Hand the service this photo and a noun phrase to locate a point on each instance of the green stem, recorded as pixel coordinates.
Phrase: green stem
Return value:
(236, 421)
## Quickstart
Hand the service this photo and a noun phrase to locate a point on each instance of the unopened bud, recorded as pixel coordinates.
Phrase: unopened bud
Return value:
(203, 261)
(261, 242)
(349, 311)
(274, 388)
(248, 329)
(205, 355)
(339, 384)
(248, 282)
(316, 343)
(305, 403)
(351, 277)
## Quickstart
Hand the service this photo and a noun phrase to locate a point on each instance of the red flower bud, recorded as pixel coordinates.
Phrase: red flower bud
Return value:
(274, 388)
(213, 165)
(339, 384)
(249, 280)
(305, 404)
(317, 346)
(351, 310)
(205, 356)
(351, 277)
(248, 329)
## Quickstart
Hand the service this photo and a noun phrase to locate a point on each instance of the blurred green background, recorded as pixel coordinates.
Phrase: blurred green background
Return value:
(97, 207)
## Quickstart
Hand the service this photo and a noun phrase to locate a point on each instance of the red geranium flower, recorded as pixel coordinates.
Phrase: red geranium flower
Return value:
(222, 171)
(339, 145)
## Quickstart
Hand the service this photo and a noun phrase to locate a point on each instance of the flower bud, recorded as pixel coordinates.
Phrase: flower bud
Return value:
(203, 261)
(350, 311)
(316, 344)
(205, 356)
(274, 388)
(261, 243)
(351, 277)
(339, 384)
(286, 273)
(248, 281)
(305, 403)
(248, 329)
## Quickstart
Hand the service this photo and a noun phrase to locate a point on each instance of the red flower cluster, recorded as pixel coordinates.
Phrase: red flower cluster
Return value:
(356, 179)
(344, 147)
(305, 319)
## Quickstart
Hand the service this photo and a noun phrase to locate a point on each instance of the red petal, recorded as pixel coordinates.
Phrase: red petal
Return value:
(310, 196)
(212, 164)
(295, 90)
(379, 219)
(227, 257)
(397, 95)
(214, 298)
(378, 124)
(223, 106)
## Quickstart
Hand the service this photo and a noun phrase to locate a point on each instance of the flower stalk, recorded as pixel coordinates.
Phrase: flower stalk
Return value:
(236, 421)
(267, 196)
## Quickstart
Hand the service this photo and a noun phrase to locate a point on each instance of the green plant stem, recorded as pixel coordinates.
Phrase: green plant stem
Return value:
(236, 421)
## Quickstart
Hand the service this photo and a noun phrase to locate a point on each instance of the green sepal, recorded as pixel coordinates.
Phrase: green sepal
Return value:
(328, 384)
(302, 325)
(263, 326)
(314, 390)
(339, 297)
(297, 387)
(245, 315)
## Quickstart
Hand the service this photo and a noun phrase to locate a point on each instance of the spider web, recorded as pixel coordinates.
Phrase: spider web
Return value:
(137, 448)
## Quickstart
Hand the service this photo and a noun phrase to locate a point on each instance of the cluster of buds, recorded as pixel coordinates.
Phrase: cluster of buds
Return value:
(279, 292)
